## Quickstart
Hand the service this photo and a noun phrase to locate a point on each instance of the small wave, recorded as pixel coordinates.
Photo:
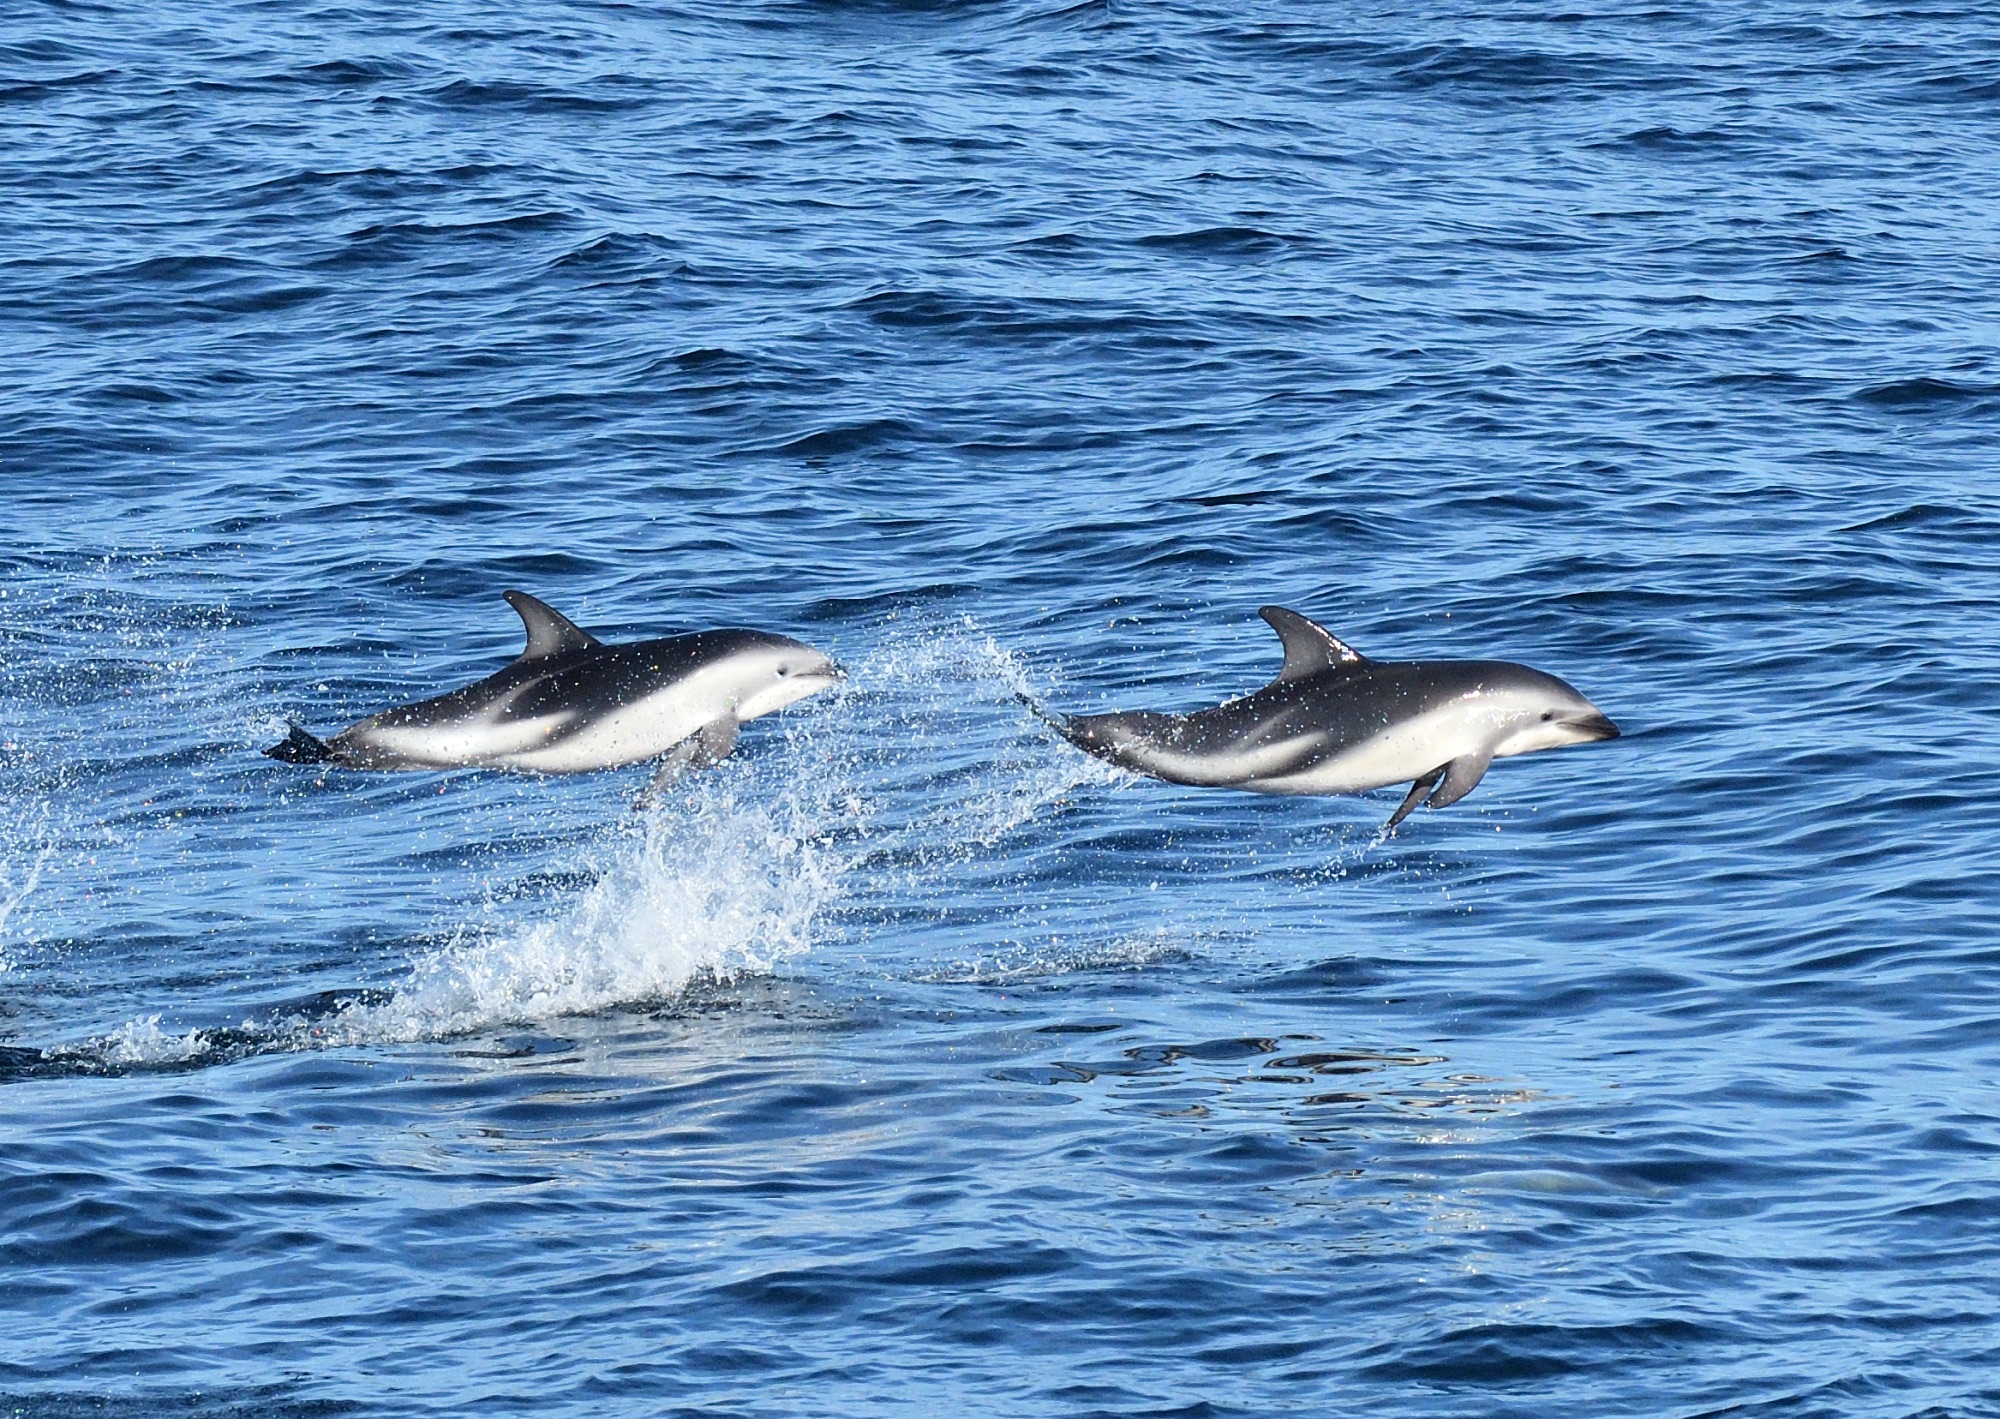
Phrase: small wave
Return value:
(352, 72)
(1924, 392)
(27, 91)
(706, 357)
(1254, 498)
(1667, 139)
(993, 317)
(382, 241)
(1224, 241)
(1917, 515)
(624, 252)
(935, 310)
(848, 438)
(1507, 71)
(199, 270)
(1956, 85)
(600, 96)
(1032, 963)
(1054, 244)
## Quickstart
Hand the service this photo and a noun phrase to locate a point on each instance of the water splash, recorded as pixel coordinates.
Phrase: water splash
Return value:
(141, 1042)
(716, 886)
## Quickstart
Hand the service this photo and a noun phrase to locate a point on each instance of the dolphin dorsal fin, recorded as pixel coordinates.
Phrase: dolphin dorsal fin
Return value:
(549, 631)
(1310, 648)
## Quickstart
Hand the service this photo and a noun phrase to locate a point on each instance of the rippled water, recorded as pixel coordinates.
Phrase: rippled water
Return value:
(911, 1060)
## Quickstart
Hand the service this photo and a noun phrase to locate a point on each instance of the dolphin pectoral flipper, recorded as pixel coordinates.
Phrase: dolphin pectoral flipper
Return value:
(1461, 776)
(1424, 784)
(703, 749)
(717, 741)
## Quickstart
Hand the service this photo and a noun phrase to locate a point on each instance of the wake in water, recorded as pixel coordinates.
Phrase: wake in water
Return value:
(926, 760)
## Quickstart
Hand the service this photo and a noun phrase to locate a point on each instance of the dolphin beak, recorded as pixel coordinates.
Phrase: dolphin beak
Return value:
(1595, 725)
(836, 672)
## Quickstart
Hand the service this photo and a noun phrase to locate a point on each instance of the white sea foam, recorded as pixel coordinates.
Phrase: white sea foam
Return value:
(142, 1041)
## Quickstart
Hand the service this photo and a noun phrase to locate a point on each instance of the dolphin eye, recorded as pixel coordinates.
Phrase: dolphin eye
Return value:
(786, 670)
(1548, 714)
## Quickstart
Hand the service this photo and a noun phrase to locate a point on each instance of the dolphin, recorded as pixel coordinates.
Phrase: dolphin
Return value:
(1335, 721)
(571, 703)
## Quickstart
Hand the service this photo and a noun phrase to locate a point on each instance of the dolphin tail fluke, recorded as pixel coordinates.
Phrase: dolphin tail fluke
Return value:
(19, 1057)
(1053, 720)
(1461, 776)
(1444, 785)
(703, 749)
(300, 747)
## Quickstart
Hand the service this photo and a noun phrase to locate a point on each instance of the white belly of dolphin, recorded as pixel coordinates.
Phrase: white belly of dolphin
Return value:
(631, 733)
(1234, 768)
(1402, 752)
(571, 741)
(450, 746)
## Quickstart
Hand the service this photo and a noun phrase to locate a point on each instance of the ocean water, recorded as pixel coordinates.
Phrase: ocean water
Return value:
(911, 1062)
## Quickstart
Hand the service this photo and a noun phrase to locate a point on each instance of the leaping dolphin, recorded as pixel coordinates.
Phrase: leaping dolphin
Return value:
(1335, 721)
(571, 703)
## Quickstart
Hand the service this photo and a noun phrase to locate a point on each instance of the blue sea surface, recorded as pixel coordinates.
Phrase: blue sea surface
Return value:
(912, 1062)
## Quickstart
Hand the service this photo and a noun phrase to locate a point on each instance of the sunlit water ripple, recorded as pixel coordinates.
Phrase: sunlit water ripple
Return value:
(911, 1062)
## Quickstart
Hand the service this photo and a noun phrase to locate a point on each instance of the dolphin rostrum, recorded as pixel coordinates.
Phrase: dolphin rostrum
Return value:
(572, 703)
(1335, 721)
